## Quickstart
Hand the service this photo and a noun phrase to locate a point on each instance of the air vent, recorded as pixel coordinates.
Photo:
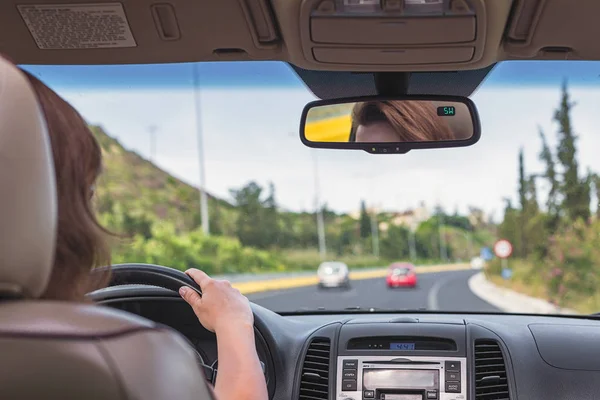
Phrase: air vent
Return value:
(314, 383)
(491, 381)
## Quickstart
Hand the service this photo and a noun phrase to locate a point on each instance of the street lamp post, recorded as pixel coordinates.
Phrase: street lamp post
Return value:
(202, 188)
(319, 209)
(443, 249)
(412, 243)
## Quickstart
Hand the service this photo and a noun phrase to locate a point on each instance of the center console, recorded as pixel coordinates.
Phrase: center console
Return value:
(402, 360)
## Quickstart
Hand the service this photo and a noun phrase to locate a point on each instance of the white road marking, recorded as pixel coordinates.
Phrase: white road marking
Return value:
(432, 296)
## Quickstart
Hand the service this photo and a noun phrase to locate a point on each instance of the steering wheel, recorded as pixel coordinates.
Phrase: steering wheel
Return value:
(165, 277)
(157, 275)
(149, 274)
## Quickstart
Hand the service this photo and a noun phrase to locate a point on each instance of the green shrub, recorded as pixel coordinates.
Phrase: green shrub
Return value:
(212, 254)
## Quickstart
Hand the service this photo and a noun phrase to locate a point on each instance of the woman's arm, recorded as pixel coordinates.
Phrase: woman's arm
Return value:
(225, 311)
(239, 374)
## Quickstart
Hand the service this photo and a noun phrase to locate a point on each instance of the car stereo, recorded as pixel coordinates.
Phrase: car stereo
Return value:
(401, 378)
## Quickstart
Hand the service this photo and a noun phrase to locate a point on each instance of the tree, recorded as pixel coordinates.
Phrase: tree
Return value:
(258, 222)
(522, 244)
(576, 191)
(509, 228)
(346, 236)
(477, 217)
(532, 203)
(250, 208)
(216, 223)
(595, 179)
(552, 203)
(394, 246)
(365, 221)
(428, 240)
(270, 219)
(455, 220)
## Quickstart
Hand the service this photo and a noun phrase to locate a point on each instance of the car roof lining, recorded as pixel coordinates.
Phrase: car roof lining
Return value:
(255, 30)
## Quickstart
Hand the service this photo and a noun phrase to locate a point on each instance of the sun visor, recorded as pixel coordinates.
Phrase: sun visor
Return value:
(144, 31)
(534, 32)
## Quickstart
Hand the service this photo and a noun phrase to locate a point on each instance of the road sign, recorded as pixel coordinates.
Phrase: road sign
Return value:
(503, 248)
(486, 254)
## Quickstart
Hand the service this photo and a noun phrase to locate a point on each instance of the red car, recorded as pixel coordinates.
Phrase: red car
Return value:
(401, 274)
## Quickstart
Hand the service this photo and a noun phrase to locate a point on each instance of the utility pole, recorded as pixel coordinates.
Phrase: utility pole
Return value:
(202, 188)
(443, 250)
(412, 244)
(152, 131)
(319, 209)
(375, 232)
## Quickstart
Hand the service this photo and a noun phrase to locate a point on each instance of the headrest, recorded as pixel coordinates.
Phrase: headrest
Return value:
(28, 204)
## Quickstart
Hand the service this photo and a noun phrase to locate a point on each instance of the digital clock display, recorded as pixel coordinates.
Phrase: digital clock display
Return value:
(446, 111)
(402, 346)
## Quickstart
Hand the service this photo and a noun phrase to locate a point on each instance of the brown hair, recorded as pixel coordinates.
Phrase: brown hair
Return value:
(81, 241)
(412, 120)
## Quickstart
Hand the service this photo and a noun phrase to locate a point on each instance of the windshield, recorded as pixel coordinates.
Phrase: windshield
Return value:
(204, 168)
(331, 268)
(400, 271)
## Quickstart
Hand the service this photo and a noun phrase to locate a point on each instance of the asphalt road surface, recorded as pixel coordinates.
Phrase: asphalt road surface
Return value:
(439, 291)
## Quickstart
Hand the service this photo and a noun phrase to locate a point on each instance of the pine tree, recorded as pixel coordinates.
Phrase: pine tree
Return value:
(509, 228)
(552, 203)
(524, 213)
(532, 203)
(576, 191)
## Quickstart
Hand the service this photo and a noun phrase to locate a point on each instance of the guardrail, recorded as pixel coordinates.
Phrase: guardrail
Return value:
(275, 282)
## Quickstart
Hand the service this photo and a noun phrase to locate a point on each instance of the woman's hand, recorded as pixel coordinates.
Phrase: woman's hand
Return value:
(221, 307)
(223, 310)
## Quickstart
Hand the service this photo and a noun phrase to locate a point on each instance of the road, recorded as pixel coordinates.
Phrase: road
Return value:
(440, 291)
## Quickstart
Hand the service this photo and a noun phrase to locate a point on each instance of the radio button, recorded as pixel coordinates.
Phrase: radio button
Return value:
(351, 364)
(369, 394)
(432, 394)
(452, 376)
(349, 374)
(452, 387)
(348, 385)
(453, 366)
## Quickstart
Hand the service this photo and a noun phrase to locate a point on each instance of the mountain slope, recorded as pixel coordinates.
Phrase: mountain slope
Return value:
(134, 186)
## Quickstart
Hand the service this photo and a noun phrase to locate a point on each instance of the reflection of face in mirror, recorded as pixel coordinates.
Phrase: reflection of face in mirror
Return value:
(398, 121)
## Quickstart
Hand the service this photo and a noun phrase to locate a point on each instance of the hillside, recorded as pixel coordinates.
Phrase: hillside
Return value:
(146, 192)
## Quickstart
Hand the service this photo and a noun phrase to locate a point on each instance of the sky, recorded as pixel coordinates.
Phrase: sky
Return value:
(249, 115)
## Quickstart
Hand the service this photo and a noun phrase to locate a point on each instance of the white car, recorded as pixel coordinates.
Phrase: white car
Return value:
(477, 263)
(333, 274)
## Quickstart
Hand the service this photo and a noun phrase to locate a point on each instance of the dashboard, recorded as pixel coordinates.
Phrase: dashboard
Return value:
(420, 356)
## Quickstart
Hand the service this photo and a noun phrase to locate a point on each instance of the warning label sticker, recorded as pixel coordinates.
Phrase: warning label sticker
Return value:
(78, 26)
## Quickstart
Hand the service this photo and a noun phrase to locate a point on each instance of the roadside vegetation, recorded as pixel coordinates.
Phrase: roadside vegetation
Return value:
(156, 217)
(557, 244)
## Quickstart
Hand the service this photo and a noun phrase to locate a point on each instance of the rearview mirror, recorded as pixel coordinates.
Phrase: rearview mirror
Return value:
(390, 125)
